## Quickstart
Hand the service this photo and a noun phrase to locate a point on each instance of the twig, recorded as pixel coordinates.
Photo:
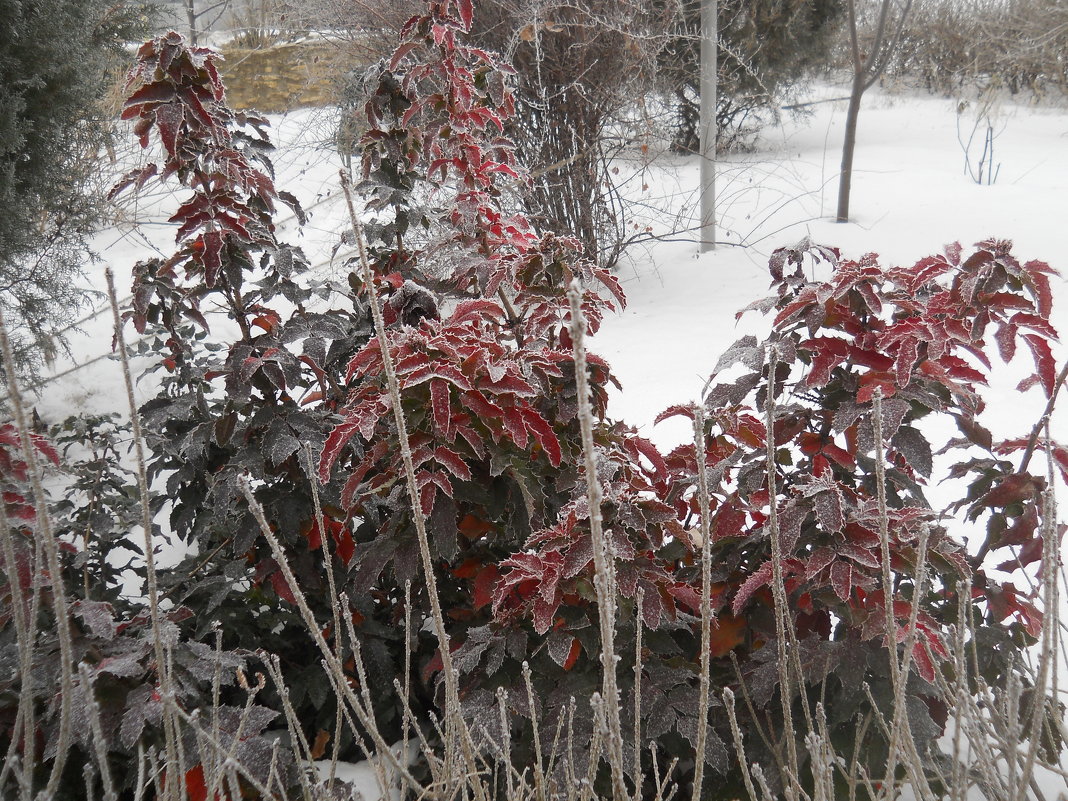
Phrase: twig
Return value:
(706, 600)
(146, 524)
(334, 668)
(46, 538)
(778, 589)
(455, 726)
(604, 563)
(24, 718)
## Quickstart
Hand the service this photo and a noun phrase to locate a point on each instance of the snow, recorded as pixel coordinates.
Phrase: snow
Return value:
(911, 196)
(362, 777)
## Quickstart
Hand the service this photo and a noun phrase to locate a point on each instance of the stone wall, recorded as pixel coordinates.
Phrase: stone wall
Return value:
(282, 77)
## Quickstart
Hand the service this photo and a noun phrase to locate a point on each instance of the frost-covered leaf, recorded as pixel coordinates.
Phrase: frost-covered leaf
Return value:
(98, 616)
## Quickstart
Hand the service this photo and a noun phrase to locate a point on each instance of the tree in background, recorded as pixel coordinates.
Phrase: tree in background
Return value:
(869, 57)
(55, 59)
(765, 46)
(579, 69)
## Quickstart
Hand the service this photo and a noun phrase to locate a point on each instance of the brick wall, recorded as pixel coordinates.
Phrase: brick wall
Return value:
(282, 77)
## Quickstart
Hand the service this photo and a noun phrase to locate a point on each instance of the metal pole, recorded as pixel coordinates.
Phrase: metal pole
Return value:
(709, 34)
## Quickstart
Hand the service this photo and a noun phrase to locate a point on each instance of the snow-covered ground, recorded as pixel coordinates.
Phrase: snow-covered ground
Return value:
(911, 196)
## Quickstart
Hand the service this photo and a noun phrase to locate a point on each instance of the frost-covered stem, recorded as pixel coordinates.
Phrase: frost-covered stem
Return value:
(539, 767)
(334, 667)
(232, 766)
(214, 776)
(365, 691)
(24, 718)
(739, 743)
(603, 565)
(506, 746)
(46, 538)
(958, 693)
(100, 746)
(778, 589)
(887, 578)
(328, 563)
(455, 727)
(406, 721)
(1049, 623)
(706, 600)
(170, 731)
(900, 733)
(637, 769)
(335, 606)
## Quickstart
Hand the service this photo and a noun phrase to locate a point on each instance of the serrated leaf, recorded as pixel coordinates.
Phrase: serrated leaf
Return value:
(560, 644)
(759, 578)
(828, 508)
(914, 446)
(842, 579)
(443, 527)
(439, 402)
(281, 444)
(98, 616)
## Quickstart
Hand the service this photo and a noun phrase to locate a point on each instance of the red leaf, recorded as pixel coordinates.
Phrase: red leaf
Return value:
(827, 353)
(332, 448)
(439, 402)
(543, 613)
(674, 411)
(477, 403)
(1045, 366)
(485, 582)
(869, 382)
(45, 448)
(760, 578)
(650, 452)
(922, 660)
(466, 13)
(281, 587)
(906, 360)
(1010, 489)
(426, 497)
(842, 579)
(820, 558)
(573, 654)
(728, 632)
(453, 462)
(212, 256)
(346, 547)
(544, 434)
(401, 51)
(474, 310)
(513, 422)
(149, 94)
(169, 118)
(468, 568)
(1037, 274)
(512, 384)
(474, 528)
(841, 456)
(195, 787)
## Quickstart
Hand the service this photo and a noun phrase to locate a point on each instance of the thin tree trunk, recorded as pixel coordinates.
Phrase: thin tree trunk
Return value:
(845, 178)
(709, 35)
(191, 15)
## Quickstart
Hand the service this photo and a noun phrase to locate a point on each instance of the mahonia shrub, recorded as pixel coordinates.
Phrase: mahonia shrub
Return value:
(114, 675)
(487, 392)
(478, 327)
